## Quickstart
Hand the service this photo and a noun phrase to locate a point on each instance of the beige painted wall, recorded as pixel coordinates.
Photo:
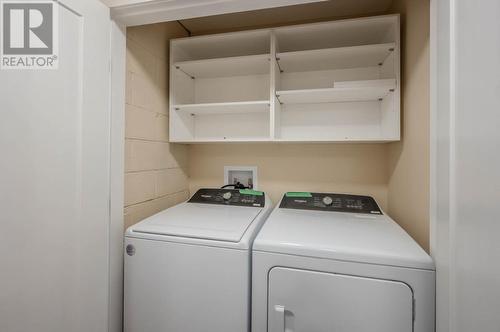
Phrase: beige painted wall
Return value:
(155, 171)
(408, 186)
(351, 168)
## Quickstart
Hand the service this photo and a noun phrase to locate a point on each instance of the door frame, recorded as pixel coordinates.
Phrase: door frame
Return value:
(442, 146)
(442, 109)
(116, 175)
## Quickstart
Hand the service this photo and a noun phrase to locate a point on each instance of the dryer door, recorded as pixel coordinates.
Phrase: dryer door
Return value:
(302, 300)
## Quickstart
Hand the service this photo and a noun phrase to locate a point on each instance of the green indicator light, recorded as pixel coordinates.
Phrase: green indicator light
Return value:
(251, 192)
(298, 194)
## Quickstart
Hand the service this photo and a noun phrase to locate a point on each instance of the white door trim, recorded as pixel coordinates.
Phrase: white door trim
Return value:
(134, 12)
(117, 155)
(442, 146)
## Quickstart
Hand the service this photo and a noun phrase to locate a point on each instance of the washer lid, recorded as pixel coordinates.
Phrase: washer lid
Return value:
(374, 239)
(200, 221)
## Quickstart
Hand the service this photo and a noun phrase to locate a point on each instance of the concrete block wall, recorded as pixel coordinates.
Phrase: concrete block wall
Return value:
(155, 170)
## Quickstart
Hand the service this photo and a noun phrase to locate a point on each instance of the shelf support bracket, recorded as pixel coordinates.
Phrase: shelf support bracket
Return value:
(179, 68)
(278, 63)
(278, 97)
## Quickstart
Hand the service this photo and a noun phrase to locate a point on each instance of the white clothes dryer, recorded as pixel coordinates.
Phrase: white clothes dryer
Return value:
(334, 262)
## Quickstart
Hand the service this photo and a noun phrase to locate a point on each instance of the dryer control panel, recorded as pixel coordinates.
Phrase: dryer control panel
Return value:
(243, 197)
(330, 202)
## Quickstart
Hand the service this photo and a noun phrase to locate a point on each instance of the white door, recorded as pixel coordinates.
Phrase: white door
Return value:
(310, 301)
(54, 182)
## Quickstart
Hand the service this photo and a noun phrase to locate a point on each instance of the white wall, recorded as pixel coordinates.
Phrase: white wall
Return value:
(466, 163)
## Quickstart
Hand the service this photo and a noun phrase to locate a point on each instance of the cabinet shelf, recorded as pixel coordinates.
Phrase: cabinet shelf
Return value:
(350, 91)
(230, 44)
(224, 140)
(335, 58)
(338, 139)
(322, 82)
(259, 106)
(226, 67)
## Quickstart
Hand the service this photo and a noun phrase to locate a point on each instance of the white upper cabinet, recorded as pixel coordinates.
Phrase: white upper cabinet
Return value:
(322, 82)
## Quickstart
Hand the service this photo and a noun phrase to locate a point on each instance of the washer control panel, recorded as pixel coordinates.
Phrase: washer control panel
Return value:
(330, 202)
(235, 197)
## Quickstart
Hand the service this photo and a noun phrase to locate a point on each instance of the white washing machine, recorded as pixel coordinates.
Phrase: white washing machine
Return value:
(333, 262)
(188, 268)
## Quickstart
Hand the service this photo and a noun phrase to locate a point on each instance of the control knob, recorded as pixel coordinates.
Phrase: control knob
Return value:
(327, 200)
(227, 196)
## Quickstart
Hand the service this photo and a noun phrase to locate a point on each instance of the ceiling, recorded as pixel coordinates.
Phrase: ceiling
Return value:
(286, 15)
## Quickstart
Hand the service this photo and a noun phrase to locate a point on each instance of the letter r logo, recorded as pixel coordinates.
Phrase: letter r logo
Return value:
(27, 28)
